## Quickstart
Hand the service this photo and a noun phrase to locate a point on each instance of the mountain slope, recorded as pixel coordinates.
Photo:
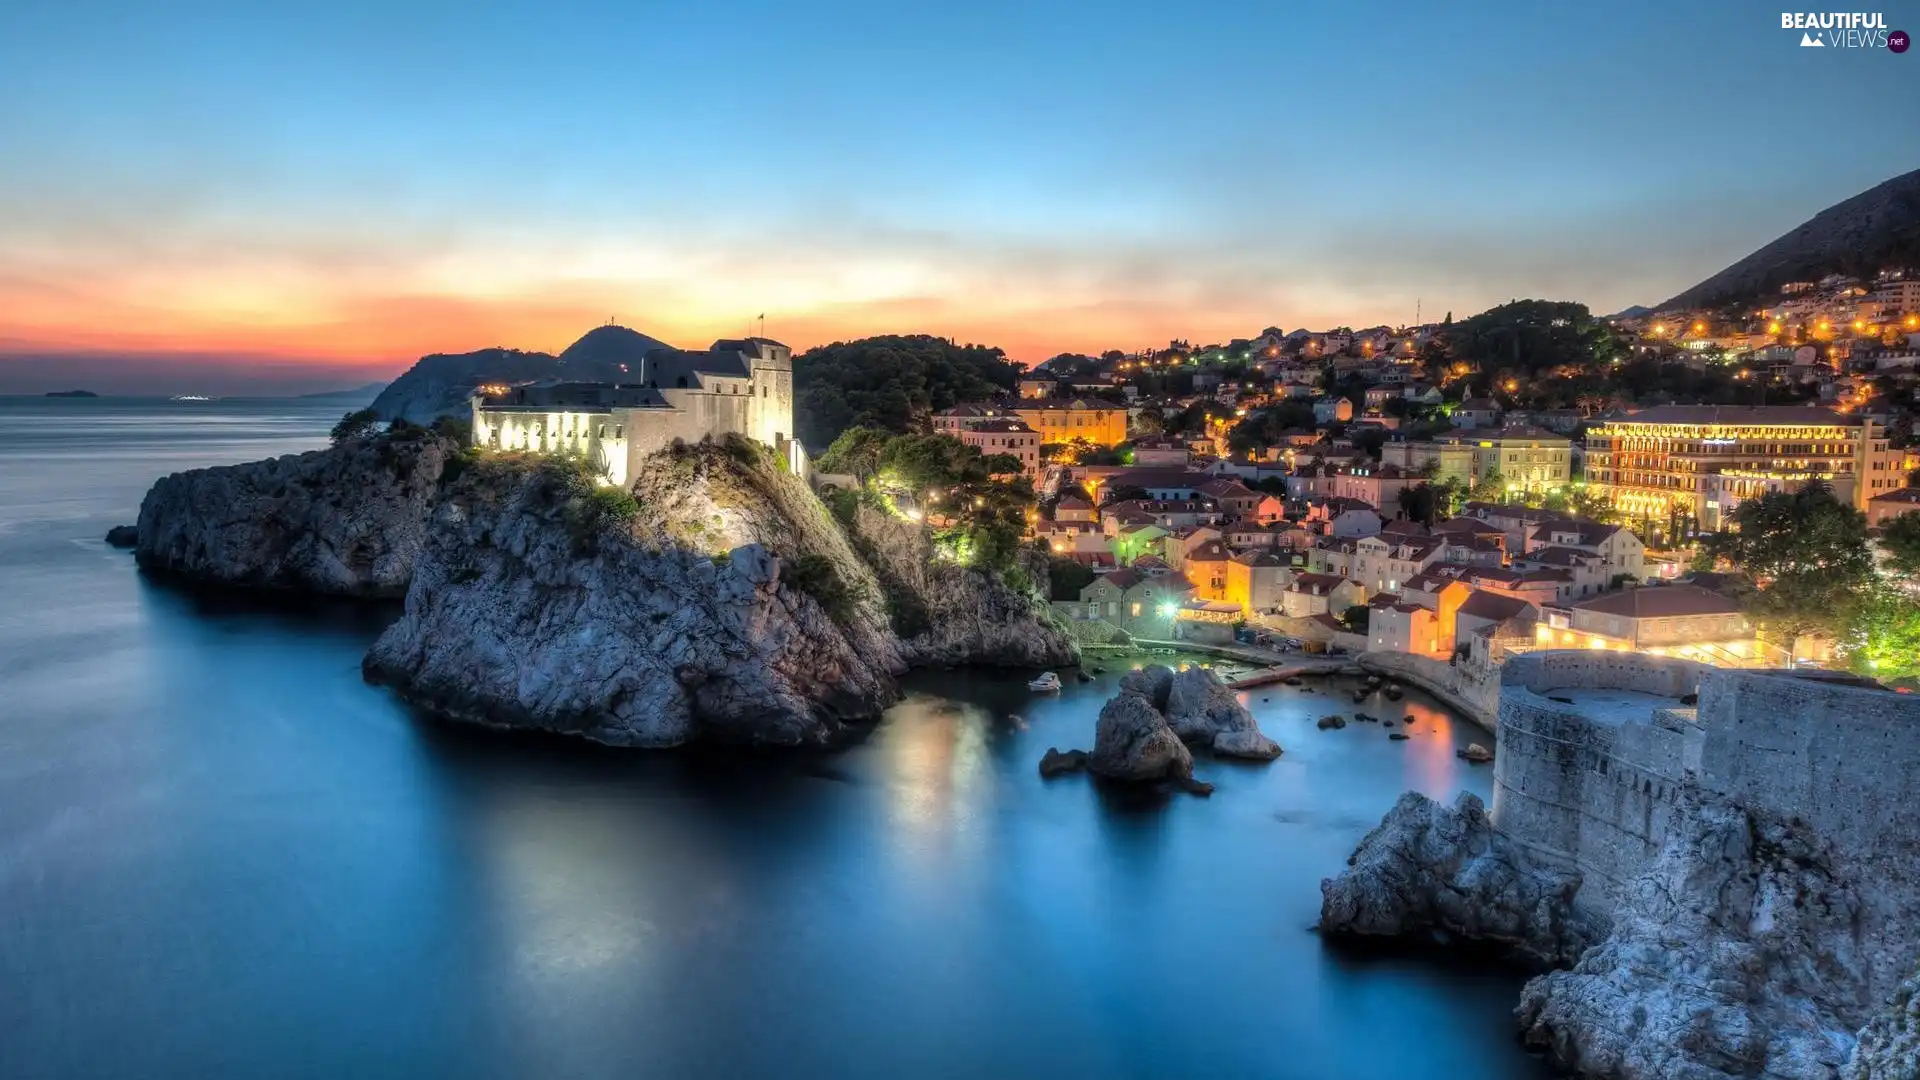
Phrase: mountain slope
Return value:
(1875, 229)
(439, 385)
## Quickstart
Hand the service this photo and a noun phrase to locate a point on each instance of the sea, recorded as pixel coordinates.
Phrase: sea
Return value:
(222, 854)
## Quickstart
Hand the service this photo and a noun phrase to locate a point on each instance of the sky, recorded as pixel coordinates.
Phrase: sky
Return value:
(257, 197)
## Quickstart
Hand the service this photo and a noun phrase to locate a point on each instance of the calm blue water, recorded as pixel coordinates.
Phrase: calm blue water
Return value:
(222, 855)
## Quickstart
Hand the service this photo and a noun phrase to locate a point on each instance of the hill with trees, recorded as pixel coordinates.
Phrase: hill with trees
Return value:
(892, 382)
(1876, 229)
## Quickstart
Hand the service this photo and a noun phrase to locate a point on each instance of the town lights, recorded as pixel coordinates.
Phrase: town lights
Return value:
(1168, 611)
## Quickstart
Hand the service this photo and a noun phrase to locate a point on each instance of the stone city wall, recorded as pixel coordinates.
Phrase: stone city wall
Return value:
(1470, 688)
(1586, 793)
(1593, 786)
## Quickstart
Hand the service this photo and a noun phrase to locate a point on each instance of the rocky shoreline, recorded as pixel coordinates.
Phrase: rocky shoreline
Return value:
(1145, 730)
(1735, 954)
(731, 607)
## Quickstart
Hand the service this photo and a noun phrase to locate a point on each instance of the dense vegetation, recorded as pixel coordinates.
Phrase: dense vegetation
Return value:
(977, 515)
(1812, 571)
(892, 383)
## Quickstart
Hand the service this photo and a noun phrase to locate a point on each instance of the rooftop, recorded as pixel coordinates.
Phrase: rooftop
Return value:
(1660, 602)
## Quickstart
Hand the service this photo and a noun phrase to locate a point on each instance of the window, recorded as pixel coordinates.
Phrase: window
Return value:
(1136, 609)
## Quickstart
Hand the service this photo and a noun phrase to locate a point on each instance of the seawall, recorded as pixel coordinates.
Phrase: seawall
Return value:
(1471, 691)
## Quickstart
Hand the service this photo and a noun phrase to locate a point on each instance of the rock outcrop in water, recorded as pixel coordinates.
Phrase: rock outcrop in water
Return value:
(1132, 742)
(346, 521)
(1443, 872)
(1737, 953)
(1201, 711)
(732, 608)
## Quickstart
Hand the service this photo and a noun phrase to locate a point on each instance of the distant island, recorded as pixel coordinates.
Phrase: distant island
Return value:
(71, 393)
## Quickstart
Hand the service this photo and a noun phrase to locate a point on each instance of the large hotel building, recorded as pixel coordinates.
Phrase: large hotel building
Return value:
(1710, 458)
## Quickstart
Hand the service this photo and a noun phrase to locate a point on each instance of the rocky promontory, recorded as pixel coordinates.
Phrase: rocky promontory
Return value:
(1739, 951)
(1429, 870)
(348, 521)
(726, 604)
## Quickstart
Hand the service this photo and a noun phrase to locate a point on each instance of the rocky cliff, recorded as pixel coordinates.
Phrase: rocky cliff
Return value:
(1739, 952)
(347, 521)
(730, 608)
(1889, 1045)
(1429, 870)
(950, 614)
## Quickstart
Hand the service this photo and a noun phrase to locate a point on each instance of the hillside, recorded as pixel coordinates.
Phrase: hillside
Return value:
(439, 385)
(1875, 229)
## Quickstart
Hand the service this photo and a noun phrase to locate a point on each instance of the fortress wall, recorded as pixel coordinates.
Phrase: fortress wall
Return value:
(1594, 794)
(1847, 762)
(1474, 691)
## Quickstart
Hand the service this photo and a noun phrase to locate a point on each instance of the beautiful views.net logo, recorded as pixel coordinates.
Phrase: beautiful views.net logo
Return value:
(1844, 30)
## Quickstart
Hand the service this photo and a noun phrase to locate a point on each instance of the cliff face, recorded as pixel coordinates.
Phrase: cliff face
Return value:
(732, 608)
(1737, 953)
(1740, 951)
(949, 614)
(1431, 870)
(1889, 1046)
(347, 521)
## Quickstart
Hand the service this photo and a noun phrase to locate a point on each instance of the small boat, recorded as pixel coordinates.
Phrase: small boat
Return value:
(1045, 684)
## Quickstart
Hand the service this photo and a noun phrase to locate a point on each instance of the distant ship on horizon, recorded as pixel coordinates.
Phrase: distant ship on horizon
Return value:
(189, 397)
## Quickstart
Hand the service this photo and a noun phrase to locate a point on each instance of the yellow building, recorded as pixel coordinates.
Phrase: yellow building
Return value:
(1528, 458)
(1101, 423)
(1710, 458)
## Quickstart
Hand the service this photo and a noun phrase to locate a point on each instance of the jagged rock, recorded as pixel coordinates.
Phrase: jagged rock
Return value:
(1475, 753)
(1386, 723)
(348, 521)
(1153, 682)
(1431, 870)
(1132, 742)
(1203, 711)
(1888, 1047)
(1056, 761)
(1394, 693)
(1734, 954)
(123, 536)
(732, 608)
(1407, 719)
(944, 613)
(1331, 721)
(1399, 736)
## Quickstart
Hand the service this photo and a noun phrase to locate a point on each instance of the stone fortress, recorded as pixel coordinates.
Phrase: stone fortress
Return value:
(1602, 755)
(742, 386)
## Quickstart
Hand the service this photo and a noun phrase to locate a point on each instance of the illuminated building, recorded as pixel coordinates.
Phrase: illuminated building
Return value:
(1707, 459)
(1527, 458)
(740, 387)
(1663, 620)
(1101, 423)
(1005, 436)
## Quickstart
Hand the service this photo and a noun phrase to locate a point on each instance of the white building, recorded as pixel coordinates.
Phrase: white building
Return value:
(743, 387)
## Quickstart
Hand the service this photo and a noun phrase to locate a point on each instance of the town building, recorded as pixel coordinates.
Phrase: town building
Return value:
(741, 387)
(1884, 508)
(1664, 620)
(1308, 595)
(1527, 458)
(1707, 459)
(1005, 436)
(1099, 422)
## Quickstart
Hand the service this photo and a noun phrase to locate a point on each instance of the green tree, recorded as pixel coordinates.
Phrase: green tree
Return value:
(355, 425)
(891, 382)
(1881, 635)
(856, 451)
(1066, 578)
(1807, 553)
(1418, 503)
(1355, 619)
(1900, 538)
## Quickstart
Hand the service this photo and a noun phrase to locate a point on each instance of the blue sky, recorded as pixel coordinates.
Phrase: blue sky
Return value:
(273, 189)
